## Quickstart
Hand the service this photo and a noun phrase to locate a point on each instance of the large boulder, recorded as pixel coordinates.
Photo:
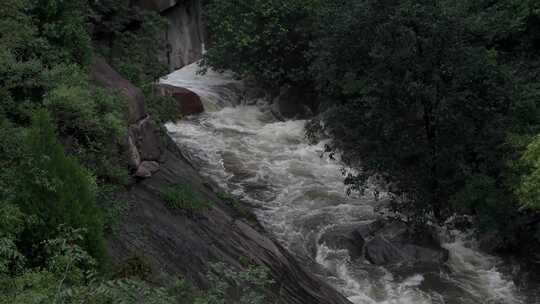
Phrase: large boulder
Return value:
(392, 242)
(344, 238)
(380, 251)
(104, 75)
(147, 139)
(189, 103)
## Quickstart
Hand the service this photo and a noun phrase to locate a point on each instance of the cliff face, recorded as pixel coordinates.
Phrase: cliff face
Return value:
(185, 35)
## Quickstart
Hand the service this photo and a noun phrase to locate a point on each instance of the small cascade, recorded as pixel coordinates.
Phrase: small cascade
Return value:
(299, 196)
(215, 90)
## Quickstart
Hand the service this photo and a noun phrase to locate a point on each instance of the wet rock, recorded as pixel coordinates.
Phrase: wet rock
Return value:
(147, 169)
(380, 251)
(344, 238)
(134, 157)
(393, 242)
(188, 102)
(147, 139)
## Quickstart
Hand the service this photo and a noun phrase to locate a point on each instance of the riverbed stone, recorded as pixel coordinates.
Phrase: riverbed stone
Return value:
(147, 139)
(344, 238)
(380, 251)
(393, 242)
(188, 102)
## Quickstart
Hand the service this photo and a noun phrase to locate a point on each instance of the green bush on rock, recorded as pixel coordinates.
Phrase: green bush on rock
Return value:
(181, 197)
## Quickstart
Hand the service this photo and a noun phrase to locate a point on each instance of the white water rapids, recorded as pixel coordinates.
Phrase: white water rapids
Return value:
(300, 197)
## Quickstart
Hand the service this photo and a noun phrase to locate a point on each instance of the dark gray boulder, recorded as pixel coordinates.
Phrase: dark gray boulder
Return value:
(392, 242)
(188, 102)
(380, 251)
(146, 136)
(344, 238)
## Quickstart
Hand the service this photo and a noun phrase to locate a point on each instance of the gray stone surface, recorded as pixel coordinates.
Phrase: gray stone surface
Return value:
(146, 135)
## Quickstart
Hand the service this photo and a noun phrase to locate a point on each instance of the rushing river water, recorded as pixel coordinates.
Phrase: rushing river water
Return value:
(299, 196)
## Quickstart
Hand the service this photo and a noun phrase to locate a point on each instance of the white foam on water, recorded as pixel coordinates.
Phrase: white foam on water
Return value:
(300, 196)
(477, 272)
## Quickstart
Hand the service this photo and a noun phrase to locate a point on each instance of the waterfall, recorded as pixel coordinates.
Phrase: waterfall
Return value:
(299, 196)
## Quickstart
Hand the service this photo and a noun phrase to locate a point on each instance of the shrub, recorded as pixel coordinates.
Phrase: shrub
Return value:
(181, 197)
(57, 189)
(90, 121)
(136, 266)
(243, 287)
(163, 108)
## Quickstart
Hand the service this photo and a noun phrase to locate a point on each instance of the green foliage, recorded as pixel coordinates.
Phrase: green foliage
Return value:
(242, 287)
(163, 108)
(134, 43)
(425, 106)
(68, 274)
(440, 98)
(63, 25)
(131, 39)
(114, 207)
(56, 189)
(135, 53)
(135, 266)
(181, 197)
(90, 120)
(264, 39)
(528, 189)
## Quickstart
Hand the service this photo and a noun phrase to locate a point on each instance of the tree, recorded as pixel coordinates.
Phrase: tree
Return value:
(268, 40)
(413, 97)
(57, 190)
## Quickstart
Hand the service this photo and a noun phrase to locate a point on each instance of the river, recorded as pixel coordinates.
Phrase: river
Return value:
(298, 195)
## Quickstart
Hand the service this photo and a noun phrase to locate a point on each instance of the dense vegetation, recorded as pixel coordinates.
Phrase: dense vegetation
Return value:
(439, 98)
(62, 156)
